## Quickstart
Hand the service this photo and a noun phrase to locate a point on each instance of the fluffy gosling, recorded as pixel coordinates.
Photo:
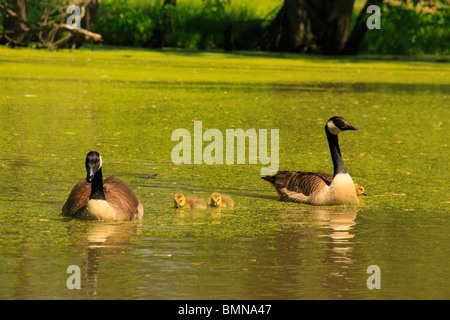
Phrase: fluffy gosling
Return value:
(360, 190)
(180, 201)
(220, 200)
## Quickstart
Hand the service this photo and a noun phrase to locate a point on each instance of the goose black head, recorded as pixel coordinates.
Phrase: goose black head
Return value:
(93, 164)
(336, 125)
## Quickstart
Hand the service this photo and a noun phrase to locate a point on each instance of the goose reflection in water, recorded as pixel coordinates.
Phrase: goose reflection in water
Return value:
(340, 224)
(334, 224)
(99, 242)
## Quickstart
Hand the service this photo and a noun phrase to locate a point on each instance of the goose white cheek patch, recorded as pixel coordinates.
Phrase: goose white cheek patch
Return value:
(332, 128)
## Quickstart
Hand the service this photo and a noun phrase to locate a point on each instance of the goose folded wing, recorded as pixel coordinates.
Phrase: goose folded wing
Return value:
(119, 195)
(78, 198)
(305, 183)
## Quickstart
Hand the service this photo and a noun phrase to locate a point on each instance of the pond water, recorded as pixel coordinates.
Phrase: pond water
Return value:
(57, 106)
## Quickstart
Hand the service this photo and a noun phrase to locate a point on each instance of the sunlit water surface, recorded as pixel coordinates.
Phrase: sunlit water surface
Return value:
(58, 106)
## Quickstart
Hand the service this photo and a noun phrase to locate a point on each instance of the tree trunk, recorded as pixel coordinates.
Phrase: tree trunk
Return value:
(309, 26)
(359, 30)
(228, 38)
(15, 26)
(163, 26)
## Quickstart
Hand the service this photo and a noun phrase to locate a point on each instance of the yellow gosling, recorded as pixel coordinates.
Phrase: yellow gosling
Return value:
(180, 201)
(360, 190)
(220, 200)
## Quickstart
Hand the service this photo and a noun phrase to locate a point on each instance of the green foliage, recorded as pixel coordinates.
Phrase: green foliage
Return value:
(215, 7)
(406, 30)
(409, 27)
(122, 23)
(201, 24)
(195, 24)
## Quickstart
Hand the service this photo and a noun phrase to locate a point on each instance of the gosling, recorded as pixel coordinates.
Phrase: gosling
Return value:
(220, 200)
(360, 190)
(180, 201)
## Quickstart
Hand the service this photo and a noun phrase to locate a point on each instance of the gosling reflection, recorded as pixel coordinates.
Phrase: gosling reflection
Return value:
(187, 217)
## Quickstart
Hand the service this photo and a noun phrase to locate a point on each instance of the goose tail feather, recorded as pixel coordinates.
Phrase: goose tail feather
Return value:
(270, 179)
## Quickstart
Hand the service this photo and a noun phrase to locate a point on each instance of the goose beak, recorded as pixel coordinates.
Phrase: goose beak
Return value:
(214, 203)
(90, 175)
(177, 205)
(349, 127)
(364, 194)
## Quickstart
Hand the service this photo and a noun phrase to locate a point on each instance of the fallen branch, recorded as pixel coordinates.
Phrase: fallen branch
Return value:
(88, 35)
(49, 29)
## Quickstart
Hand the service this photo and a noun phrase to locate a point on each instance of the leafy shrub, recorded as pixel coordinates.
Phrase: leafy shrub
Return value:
(202, 24)
(196, 24)
(405, 30)
(122, 23)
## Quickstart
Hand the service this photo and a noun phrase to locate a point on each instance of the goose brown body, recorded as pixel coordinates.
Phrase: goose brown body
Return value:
(118, 195)
(305, 182)
(114, 200)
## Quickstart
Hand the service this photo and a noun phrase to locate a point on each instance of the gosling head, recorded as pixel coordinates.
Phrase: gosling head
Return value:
(93, 164)
(336, 125)
(360, 190)
(179, 200)
(216, 199)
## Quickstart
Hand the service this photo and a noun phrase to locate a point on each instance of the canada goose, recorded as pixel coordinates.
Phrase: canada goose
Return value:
(220, 200)
(180, 201)
(319, 188)
(360, 190)
(102, 199)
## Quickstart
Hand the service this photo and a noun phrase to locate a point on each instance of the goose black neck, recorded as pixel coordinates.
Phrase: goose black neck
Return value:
(97, 187)
(338, 163)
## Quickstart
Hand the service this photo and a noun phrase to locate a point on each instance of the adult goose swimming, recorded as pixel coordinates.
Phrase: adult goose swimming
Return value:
(101, 199)
(318, 188)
